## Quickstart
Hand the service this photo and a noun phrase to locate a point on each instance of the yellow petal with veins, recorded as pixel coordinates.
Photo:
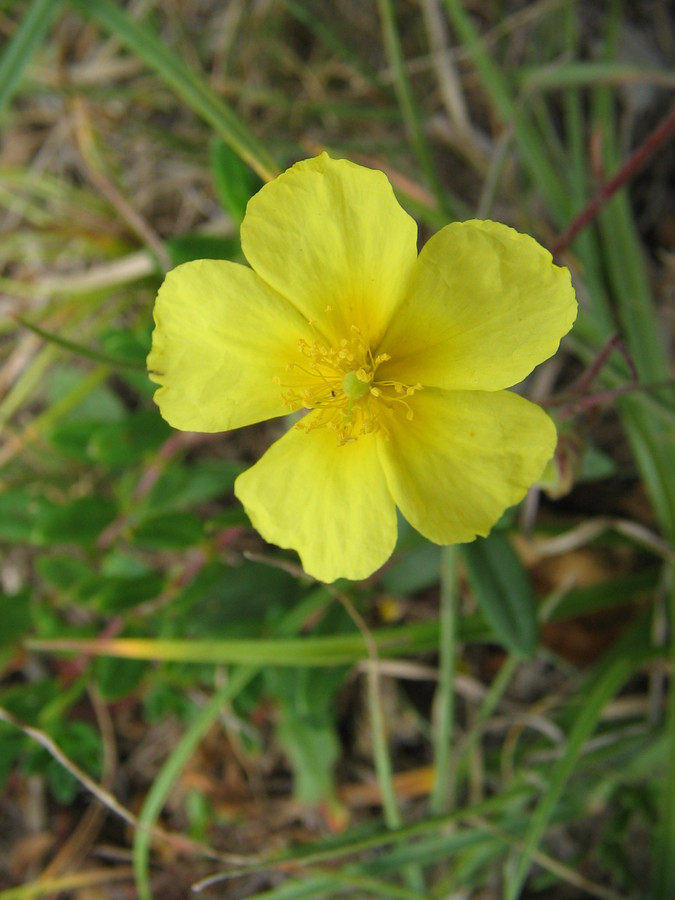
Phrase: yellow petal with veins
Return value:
(464, 459)
(330, 503)
(485, 305)
(222, 338)
(330, 235)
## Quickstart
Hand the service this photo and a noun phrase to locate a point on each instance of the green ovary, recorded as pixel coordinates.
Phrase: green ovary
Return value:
(355, 385)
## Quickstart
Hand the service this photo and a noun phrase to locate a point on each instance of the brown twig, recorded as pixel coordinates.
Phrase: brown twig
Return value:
(77, 845)
(179, 842)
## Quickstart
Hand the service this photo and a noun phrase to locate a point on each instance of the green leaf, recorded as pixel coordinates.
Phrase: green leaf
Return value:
(62, 784)
(234, 181)
(310, 740)
(26, 701)
(123, 565)
(170, 531)
(82, 743)
(14, 616)
(503, 591)
(182, 486)
(307, 729)
(128, 441)
(133, 346)
(100, 403)
(233, 517)
(71, 438)
(162, 700)
(116, 678)
(78, 522)
(118, 443)
(230, 602)
(596, 465)
(12, 745)
(21, 516)
(62, 571)
(118, 594)
(413, 571)
(322, 651)
(186, 247)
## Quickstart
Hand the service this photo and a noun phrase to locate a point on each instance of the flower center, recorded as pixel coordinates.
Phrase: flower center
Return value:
(341, 382)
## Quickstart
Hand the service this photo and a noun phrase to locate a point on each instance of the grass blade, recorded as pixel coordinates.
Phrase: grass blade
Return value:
(504, 592)
(309, 651)
(534, 154)
(663, 884)
(407, 104)
(627, 654)
(18, 53)
(189, 85)
(168, 776)
(441, 799)
(108, 359)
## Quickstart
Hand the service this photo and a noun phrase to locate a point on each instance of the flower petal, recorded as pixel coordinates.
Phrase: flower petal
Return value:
(221, 337)
(464, 458)
(329, 233)
(485, 306)
(330, 503)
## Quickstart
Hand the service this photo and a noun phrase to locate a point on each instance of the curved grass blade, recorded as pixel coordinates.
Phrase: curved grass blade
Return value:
(108, 359)
(191, 86)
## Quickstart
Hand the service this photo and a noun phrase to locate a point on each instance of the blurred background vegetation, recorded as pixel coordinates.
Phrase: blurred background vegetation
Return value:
(482, 723)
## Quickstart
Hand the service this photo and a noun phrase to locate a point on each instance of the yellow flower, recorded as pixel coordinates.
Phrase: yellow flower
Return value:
(398, 362)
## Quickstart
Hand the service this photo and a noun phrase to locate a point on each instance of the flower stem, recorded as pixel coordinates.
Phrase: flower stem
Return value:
(378, 727)
(381, 757)
(444, 702)
(385, 778)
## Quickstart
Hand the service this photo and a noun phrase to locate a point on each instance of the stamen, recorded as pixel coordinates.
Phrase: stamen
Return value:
(340, 384)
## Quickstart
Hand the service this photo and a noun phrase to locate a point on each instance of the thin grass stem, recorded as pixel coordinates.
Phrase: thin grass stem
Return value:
(407, 103)
(444, 702)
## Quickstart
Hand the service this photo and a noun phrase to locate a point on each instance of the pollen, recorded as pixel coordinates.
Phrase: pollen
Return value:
(341, 382)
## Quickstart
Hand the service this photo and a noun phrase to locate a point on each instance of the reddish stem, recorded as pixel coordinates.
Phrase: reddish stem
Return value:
(630, 167)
